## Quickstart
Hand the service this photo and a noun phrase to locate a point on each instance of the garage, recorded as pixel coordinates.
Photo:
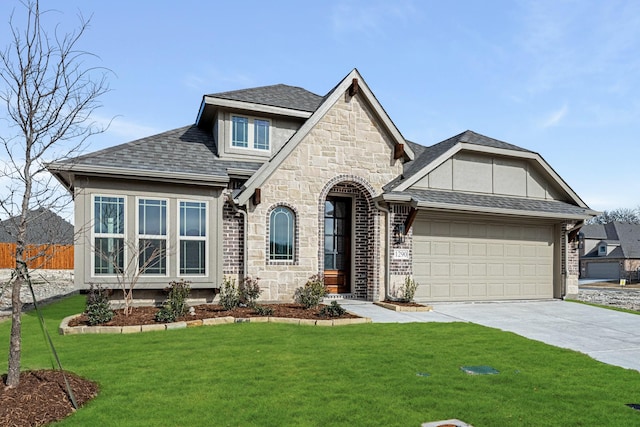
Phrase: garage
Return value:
(482, 259)
(603, 270)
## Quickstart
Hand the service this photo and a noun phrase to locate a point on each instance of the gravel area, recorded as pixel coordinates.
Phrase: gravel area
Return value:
(47, 285)
(622, 298)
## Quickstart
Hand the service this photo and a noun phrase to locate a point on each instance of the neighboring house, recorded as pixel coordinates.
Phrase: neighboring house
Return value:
(279, 183)
(44, 227)
(610, 251)
(49, 241)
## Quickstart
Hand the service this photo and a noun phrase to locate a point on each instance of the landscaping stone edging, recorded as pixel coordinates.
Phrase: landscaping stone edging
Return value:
(65, 329)
(395, 307)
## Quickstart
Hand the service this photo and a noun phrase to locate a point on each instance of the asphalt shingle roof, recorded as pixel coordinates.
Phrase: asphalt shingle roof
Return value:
(184, 150)
(43, 227)
(492, 201)
(279, 95)
(426, 155)
(626, 235)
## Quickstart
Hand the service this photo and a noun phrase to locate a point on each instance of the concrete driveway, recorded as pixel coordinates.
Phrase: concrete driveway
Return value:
(608, 336)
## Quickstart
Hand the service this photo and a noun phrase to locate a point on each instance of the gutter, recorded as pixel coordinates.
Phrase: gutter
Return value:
(236, 209)
(387, 273)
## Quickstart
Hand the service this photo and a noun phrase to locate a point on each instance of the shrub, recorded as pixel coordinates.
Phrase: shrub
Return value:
(249, 291)
(332, 310)
(229, 294)
(176, 302)
(263, 310)
(312, 292)
(98, 308)
(408, 289)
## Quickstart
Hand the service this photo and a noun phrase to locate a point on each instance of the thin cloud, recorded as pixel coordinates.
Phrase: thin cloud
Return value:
(556, 117)
(122, 128)
(369, 18)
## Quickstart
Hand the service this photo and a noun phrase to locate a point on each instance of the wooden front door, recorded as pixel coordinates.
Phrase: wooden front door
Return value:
(337, 244)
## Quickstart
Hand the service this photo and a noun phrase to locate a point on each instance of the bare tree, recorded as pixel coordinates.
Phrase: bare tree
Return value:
(128, 260)
(626, 215)
(50, 93)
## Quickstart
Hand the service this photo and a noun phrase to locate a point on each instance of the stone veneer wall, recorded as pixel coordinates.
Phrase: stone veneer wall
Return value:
(346, 145)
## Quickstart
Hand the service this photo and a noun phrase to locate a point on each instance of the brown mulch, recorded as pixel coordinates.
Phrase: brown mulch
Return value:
(41, 398)
(403, 303)
(146, 315)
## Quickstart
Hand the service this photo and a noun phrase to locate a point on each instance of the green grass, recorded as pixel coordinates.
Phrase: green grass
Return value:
(608, 307)
(360, 375)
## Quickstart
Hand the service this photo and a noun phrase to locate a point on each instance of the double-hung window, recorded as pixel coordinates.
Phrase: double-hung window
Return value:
(108, 230)
(249, 132)
(193, 238)
(152, 236)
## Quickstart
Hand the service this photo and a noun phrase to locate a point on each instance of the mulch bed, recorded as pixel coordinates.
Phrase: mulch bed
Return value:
(404, 304)
(146, 315)
(41, 398)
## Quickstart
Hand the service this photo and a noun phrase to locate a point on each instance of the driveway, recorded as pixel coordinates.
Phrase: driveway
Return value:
(608, 336)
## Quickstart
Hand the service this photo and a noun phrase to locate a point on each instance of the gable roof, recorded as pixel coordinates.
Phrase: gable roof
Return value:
(437, 154)
(169, 155)
(328, 101)
(624, 234)
(44, 227)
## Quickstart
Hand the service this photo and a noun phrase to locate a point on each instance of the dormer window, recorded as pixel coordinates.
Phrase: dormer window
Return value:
(602, 250)
(250, 132)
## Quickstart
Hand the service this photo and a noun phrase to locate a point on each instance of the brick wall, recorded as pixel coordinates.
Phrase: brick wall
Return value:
(232, 240)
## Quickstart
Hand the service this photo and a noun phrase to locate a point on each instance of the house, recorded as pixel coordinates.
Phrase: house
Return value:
(44, 227)
(49, 241)
(279, 183)
(610, 251)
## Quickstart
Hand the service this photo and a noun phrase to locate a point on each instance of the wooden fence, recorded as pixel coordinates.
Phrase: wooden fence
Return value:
(47, 257)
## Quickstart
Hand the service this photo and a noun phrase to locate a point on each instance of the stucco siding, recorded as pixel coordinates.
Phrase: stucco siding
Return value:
(481, 173)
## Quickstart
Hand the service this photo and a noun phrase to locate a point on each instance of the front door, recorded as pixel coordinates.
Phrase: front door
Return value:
(337, 244)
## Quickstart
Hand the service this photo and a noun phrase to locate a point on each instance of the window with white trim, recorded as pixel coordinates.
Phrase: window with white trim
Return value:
(282, 226)
(152, 236)
(250, 132)
(193, 238)
(108, 233)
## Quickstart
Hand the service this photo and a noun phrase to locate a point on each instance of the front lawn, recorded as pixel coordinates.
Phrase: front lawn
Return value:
(360, 375)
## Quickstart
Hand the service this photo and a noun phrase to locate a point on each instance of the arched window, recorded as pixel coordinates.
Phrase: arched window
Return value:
(282, 226)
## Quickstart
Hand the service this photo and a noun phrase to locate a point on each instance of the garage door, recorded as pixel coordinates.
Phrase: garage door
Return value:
(481, 260)
(603, 270)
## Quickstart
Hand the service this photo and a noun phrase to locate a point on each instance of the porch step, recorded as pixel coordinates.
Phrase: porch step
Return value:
(339, 296)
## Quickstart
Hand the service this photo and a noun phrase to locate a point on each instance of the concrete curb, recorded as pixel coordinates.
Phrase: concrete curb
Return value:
(65, 329)
(395, 307)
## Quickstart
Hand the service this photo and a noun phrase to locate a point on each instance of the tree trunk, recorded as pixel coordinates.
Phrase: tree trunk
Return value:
(15, 348)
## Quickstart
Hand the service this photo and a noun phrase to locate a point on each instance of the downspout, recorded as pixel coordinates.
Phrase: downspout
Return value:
(235, 208)
(387, 275)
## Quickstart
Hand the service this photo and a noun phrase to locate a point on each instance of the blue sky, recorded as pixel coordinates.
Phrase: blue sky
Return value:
(561, 78)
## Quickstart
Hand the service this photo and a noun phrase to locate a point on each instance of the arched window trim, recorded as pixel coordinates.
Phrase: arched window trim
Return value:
(288, 255)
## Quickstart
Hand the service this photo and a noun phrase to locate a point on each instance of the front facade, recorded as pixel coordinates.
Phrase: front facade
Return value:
(281, 184)
(610, 251)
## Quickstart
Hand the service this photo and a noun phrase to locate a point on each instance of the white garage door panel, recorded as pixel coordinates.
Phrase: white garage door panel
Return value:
(457, 261)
